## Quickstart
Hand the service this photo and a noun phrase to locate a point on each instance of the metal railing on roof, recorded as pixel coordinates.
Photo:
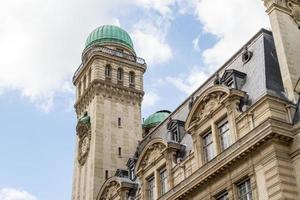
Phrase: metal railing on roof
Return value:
(113, 52)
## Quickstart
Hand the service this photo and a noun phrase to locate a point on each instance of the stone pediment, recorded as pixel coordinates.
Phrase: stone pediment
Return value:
(210, 101)
(151, 153)
(110, 191)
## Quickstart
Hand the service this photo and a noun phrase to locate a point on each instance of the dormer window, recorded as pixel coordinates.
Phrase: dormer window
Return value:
(108, 71)
(176, 129)
(233, 79)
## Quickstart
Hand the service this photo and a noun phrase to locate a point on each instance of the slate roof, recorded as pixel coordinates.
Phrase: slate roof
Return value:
(263, 77)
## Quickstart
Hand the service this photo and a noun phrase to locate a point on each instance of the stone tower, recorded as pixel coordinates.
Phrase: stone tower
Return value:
(285, 21)
(109, 85)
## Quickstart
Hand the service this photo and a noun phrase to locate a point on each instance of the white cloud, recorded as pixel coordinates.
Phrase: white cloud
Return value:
(41, 42)
(15, 194)
(190, 82)
(151, 47)
(196, 44)
(150, 99)
(234, 22)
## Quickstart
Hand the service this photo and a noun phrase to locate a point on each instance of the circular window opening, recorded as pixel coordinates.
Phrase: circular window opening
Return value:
(246, 56)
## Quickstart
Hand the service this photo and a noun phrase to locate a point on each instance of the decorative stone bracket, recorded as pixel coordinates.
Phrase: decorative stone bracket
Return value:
(291, 7)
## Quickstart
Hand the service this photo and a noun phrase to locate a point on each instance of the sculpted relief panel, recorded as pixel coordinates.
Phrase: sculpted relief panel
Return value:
(111, 191)
(152, 154)
(84, 134)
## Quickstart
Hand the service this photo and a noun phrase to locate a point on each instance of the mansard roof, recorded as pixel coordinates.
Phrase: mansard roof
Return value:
(263, 77)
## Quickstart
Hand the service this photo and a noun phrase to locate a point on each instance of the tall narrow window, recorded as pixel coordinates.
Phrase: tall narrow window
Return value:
(120, 151)
(106, 174)
(150, 187)
(79, 90)
(90, 76)
(208, 146)
(244, 190)
(131, 78)
(163, 181)
(175, 134)
(119, 122)
(84, 82)
(108, 71)
(120, 74)
(223, 196)
(224, 134)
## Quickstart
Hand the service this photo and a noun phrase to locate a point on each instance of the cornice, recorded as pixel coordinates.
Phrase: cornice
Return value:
(239, 150)
(107, 88)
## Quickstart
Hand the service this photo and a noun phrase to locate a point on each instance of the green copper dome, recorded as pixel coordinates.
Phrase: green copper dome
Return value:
(109, 34)
(156, 118)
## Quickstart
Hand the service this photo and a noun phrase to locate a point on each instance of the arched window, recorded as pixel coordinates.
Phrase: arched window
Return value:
(131, 78)
(120, 74)
(108, 71)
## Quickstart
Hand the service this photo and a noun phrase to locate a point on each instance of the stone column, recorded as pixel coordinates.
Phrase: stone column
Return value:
(285, 22)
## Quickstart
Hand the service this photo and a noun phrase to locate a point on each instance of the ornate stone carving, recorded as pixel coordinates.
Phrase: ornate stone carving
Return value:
(84, 134)
(291, 7)
(152, 154)
(111, 191)
(294, 6)
(209, 104)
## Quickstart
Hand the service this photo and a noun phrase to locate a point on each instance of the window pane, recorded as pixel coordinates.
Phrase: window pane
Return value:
(208, 147)
(151, 186)
(224, 133)
(163, 181)
(244, 191)
(223, 196)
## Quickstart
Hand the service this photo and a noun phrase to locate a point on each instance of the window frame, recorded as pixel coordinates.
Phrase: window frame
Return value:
(151, 187)
(222, 195)
(131, 78)
(108, 71)
(120, 75)
(248, 188)
(210, 145)
(163, 181)
(226, 133)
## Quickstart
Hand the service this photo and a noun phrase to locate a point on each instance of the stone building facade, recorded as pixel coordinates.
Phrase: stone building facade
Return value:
(236, 137)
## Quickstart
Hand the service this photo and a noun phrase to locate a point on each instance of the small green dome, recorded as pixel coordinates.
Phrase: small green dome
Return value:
(109, 34)
(156, 118)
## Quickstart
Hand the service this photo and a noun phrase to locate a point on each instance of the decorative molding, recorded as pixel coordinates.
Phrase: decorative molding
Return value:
(291, 7)
(108, 89)
(294, 6)
(111, 190)
(269, 130)
(210, 101)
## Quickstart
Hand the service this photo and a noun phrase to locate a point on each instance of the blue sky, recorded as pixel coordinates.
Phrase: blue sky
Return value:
(183, 42)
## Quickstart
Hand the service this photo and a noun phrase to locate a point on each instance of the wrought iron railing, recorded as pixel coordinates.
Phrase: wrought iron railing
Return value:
(112, 52)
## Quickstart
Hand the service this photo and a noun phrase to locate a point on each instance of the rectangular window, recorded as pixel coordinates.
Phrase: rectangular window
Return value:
(150, 187)
(208, 146)
(224, 134)
(223, 196)
(244, 190)
(175, 135)
(163, 181)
